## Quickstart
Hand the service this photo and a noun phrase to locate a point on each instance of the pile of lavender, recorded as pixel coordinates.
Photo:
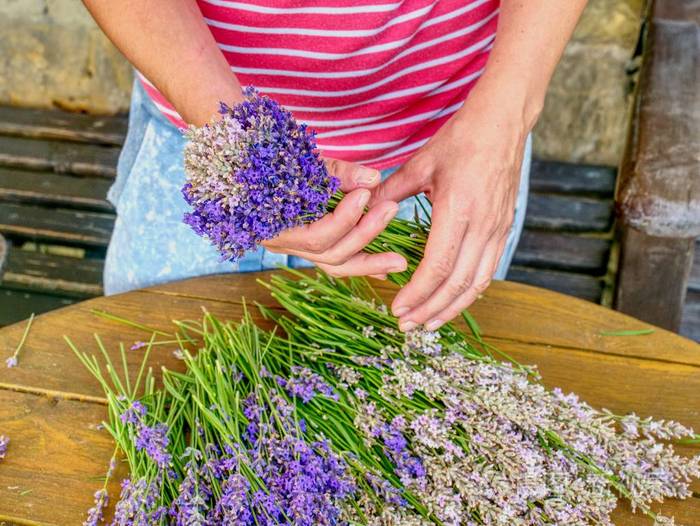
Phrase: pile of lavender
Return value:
(337, 418)
(252, 174)
(347, 421)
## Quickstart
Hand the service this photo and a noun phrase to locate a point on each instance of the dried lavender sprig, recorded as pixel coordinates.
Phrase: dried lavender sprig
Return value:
(13, 360)
(4, 442)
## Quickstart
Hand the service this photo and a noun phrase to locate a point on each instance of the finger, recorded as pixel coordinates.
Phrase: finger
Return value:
(449, 225)
(324, 233)
(481, 282)
(352, 175)
(369, 227)
(472, 252)
(403, 183)
(363, 264)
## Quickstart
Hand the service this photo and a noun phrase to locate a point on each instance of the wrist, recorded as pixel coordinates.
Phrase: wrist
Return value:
(515, 99)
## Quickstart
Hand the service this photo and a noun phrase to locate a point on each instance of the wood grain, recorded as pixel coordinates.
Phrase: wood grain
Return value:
(49, 188)
(59, 156)
(568, 178)
(48, 124)
(568, 213)
(579, 285)
(559, 251)
(52, 274)
(56, 224)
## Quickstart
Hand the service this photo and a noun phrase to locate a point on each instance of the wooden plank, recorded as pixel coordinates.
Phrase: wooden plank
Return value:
(3, 254)
(54, 439)
(652, 277)
(49, 188)
(16, 305)
(578, 285)
(56, 124)
(529, 312)
(51, 274)
(678, 11)
(56, 459)
(540, 249)
(56, 224)
(568, 178)
(694, 279)
(690, 324)
(568, 213)
(59, 156)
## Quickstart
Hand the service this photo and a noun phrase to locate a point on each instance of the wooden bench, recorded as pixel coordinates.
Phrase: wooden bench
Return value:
(56, 168)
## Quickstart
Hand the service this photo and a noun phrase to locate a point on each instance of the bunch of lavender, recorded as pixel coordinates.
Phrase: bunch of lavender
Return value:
(473, 439)
(252, 174)
(147, 427)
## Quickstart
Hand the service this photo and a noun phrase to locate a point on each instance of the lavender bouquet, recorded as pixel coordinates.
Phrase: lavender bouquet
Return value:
(252, 174)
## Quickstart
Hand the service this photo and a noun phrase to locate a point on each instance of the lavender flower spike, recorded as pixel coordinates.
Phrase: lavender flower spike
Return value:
(4, 441)
(251, 175)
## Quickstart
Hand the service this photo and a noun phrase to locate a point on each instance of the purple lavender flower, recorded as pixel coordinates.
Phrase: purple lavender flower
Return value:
(4, 441)
(252, 174)
(151, 439)
(139, 503)
(95, 514)
(305, 384)
(11, 362)
(137, 345)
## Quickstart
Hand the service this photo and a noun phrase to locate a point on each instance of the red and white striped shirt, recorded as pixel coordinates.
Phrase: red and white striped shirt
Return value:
(374, 78)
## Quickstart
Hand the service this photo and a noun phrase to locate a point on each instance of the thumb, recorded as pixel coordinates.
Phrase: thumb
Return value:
(352, 175)
(400, 185)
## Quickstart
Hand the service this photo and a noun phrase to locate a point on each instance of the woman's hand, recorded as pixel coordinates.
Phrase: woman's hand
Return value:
(335, 242)
(470, 171)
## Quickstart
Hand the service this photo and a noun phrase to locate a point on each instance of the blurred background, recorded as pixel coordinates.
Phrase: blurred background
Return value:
(622, 110)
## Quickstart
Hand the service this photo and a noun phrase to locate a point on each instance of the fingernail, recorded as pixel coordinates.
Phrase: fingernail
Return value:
(366, 175)
(434, 325)
(363, 200)
(400, 311)
(407, 326)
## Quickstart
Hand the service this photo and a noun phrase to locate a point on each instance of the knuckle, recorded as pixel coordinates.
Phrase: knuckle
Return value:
(314, 245)
(482, 285)
(458, 288)
(441, 269)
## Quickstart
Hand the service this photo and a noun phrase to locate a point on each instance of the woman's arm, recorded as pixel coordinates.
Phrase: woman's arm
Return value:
(169, 42)
(470, 169)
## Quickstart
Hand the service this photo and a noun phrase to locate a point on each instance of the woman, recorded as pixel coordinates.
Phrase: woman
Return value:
(442, 94)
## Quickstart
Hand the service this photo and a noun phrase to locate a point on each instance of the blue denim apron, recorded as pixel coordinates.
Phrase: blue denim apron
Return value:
(150, 244)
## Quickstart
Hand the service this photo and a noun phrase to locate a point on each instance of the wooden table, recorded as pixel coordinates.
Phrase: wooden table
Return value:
(50, 406)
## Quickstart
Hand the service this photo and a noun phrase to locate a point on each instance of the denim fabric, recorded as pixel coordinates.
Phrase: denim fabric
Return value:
(150, 244)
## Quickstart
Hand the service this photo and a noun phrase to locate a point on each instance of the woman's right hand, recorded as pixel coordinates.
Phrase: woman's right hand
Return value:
(335, 242)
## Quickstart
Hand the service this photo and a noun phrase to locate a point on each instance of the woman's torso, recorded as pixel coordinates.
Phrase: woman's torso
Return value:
(375, 79)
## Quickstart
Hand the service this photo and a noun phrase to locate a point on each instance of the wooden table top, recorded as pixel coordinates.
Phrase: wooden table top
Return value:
(50, 406)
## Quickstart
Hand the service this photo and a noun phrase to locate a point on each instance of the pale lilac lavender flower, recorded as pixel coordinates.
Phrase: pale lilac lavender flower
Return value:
(4, 442)
(252, 174)
(138, 345)
(140, 503)
(11, 361)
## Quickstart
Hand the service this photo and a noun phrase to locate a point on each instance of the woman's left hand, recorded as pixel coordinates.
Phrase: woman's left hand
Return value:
(470, 171)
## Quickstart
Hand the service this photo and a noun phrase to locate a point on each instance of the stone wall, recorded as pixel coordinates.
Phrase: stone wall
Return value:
(585, 114)
(54, 55)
